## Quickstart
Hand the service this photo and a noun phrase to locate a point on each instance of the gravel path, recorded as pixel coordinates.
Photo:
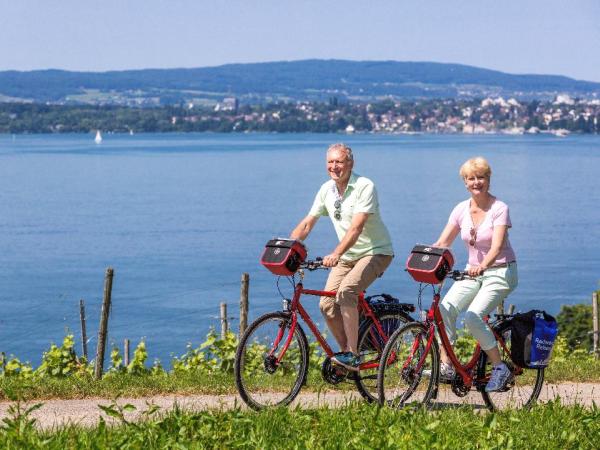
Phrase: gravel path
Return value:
(85, 412)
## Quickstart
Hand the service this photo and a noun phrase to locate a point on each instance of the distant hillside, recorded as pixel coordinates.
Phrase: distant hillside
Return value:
(295, 80)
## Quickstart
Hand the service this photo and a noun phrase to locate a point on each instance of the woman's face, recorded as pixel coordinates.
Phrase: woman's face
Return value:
(477, 183)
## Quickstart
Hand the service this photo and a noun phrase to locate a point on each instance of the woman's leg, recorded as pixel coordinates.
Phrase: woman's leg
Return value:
(496, 284)
(456, 300)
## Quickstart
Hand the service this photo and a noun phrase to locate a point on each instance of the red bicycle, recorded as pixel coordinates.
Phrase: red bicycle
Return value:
(272, 359)
(411, 372)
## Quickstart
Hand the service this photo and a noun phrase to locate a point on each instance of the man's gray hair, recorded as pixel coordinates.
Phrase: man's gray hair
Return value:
(342, 146)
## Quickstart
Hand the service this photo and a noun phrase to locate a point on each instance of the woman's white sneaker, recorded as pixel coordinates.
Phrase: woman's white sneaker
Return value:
(501, 376)
(447, 372)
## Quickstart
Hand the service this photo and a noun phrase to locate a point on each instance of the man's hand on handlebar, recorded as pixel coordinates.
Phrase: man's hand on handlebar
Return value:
(331, 260)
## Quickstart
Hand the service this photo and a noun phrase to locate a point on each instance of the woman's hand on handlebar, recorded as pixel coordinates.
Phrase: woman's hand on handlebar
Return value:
(476, 271)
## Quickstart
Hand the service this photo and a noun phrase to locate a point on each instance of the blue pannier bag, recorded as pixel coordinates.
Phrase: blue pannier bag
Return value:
(532, 337)
(544, 334)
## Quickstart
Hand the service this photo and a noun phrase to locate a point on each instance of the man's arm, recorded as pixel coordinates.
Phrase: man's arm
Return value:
(304, 227)
(356, 227)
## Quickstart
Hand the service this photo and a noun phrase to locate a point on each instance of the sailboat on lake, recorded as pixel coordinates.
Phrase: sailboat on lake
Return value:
(98, 138)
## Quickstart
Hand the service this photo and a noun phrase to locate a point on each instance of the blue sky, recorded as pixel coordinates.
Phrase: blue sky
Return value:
(526, 36)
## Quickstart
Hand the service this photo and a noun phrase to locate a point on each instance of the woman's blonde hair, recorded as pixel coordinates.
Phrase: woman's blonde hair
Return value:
(477, 165)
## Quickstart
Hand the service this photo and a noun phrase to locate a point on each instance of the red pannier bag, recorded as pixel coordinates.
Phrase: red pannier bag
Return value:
(283, 256)
(427, 264)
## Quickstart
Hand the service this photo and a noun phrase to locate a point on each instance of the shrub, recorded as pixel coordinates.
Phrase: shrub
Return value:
(575, 324)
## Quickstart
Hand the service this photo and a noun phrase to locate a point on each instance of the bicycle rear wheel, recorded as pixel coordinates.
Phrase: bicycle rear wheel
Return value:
(263, 376)
(520, 393)
(370, 347)
(408, 372)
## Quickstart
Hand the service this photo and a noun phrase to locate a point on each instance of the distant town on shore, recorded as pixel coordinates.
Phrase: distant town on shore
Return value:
(561, 116)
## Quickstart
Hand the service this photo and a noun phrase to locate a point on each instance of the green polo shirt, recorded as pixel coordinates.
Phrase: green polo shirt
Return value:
(360, 197)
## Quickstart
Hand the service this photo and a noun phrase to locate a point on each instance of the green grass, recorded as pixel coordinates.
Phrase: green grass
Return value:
(355, 426)
(119, 385)
(573, 370)
(129, 385)
(204, 370)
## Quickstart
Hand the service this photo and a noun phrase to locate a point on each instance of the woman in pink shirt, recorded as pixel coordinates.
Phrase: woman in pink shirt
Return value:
(482, 222)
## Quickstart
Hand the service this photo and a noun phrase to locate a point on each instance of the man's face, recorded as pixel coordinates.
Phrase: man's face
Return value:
(338, 165)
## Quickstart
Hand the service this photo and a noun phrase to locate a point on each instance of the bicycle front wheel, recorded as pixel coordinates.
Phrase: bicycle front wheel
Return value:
(370, 346)
(523, 391)
(265, 375)
(408, 371)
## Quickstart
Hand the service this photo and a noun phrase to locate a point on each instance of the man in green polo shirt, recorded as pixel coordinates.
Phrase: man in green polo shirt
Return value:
(362, 255)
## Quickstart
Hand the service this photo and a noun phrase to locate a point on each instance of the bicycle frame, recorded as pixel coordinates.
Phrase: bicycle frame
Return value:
(434, 320)
(296, 309)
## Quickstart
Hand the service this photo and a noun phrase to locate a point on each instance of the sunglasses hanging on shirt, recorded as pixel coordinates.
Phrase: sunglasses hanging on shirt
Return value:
(473, 239)
(337, 214)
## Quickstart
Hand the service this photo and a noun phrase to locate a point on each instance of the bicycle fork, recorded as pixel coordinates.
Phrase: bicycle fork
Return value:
(277, 359)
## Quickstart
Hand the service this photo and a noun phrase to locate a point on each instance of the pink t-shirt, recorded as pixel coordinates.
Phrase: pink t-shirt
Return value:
(497, 215)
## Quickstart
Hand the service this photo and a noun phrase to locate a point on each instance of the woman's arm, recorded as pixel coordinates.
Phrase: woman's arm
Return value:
(447, 237)
(498, 238)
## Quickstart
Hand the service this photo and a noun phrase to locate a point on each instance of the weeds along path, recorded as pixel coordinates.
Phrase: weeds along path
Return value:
(86, 412)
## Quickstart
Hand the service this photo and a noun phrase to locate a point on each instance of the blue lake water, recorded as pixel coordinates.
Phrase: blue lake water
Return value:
(180, 217)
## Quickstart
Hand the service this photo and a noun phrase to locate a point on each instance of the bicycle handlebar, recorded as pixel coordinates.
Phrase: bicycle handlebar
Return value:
(459, 275)
(315, 264)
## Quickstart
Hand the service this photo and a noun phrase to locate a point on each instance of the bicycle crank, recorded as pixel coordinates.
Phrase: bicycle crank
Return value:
(333, 373)
(458, 386)
(270, 363)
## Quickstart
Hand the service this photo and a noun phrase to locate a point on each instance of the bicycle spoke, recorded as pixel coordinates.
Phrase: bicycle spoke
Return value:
(410, 373)
(523, 391)
(268, 374)
(370, 346)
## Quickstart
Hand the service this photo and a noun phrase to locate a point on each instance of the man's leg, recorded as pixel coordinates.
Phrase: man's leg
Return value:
(365, 271)
(329, 308)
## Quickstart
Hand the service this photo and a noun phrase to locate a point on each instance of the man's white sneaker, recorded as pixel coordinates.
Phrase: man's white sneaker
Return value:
(501, 376)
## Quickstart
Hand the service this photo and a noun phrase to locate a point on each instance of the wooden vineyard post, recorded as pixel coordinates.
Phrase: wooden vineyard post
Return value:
(596, 325)
(126, 352)
(108, 277)
(84, 348)
(244, 303)
(224, 326)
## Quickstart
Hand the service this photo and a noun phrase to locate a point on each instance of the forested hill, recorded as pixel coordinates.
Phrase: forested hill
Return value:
(295, 80)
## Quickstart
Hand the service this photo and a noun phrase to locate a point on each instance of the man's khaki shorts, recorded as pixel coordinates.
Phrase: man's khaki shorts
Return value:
(349, 279)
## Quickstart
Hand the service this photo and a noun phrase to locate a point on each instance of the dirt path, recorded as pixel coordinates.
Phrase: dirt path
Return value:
(55, 413)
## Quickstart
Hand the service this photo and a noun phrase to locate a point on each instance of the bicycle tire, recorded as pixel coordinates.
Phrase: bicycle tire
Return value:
(260, 380)
(527, 385)
(371, 345)
(399, 383)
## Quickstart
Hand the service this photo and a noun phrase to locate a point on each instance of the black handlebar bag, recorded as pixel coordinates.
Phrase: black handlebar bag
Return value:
(427, 264)
(532, 338)
(283, 256)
